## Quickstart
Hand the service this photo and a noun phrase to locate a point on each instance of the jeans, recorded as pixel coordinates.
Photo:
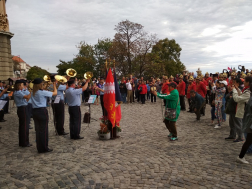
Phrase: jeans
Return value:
(123, 95)
(223, 112)
(213, 113)
(148, 95)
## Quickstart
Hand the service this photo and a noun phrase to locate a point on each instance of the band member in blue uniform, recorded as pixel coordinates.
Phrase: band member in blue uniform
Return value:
(59, 110)
(2, 97)
(74, 102)
(29, 106)
(40, 113)
(21, 100)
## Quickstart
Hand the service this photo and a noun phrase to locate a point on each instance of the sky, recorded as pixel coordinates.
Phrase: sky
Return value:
(213, 34)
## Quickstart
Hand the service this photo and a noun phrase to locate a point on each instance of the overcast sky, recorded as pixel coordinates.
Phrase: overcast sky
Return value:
(213, 34)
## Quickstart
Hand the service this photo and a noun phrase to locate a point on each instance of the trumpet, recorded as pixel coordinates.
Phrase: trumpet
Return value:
(71, 72)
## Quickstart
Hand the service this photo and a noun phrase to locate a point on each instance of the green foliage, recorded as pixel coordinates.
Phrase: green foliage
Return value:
(36, 72)
(134, 51)
(89, 59)
(166, 54)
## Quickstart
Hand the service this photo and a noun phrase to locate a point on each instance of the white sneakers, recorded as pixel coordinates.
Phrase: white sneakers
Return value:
(241, 160)
(217, 126)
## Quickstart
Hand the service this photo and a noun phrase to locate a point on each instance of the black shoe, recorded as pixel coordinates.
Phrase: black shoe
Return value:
(229, 138)
(183, 110)
(0, 127)
(3, 120)
(78, 138)
(63, 133)
(49, 150)
(28, 145)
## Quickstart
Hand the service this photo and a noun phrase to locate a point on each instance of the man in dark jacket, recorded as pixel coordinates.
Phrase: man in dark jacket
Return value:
(198, 102)
(123, 90)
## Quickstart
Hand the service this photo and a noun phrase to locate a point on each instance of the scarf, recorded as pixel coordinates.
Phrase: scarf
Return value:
(244, 89)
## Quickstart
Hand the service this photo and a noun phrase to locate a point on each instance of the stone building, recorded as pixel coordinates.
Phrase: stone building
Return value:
(6, 63)
(22, 68)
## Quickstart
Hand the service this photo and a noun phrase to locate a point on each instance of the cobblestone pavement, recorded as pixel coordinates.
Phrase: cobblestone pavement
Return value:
(142, 158)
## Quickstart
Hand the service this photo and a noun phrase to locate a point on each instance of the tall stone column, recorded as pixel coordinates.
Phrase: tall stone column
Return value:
(6, 63)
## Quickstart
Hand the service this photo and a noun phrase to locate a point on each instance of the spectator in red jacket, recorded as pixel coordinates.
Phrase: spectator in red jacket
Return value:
(200, 87)
(142, 89)
(165, 88)
(207, 80)
(181, 89)
(191, 86)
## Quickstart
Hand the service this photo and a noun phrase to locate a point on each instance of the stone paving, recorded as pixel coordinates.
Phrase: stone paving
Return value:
(142, 158)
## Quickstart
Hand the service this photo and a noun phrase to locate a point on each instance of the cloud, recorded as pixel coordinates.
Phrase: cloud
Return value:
(211, 33)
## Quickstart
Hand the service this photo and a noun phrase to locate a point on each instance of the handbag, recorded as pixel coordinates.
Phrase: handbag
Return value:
(170, 113)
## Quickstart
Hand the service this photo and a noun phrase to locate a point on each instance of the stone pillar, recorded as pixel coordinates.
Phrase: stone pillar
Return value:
(6, 63)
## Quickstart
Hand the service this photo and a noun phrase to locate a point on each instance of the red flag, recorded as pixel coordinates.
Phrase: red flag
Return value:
(118, 115)
(109, 98)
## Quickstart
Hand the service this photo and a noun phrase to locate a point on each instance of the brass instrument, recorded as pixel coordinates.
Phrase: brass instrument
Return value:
(9, 89)
(60, 79)
(71, 72)
(47, 79)
(88, 75)
(30, 86)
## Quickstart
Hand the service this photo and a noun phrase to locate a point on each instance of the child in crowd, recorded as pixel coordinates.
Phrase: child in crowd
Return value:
(219, 90)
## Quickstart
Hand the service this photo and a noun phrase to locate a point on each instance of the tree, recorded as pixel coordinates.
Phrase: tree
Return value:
(36, 72)
(166, 53)
(128, 35)
(83, 62)
(101, 50)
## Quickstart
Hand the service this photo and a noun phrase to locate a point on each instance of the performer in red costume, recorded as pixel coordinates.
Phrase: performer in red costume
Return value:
(207, 80)
(200, 87)
(181, 89)
(191, 86)
(165, 88)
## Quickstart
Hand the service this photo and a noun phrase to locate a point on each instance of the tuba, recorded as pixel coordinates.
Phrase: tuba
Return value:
(71, 72)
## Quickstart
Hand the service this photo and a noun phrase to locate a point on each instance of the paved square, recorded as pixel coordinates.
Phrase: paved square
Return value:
(142, 158)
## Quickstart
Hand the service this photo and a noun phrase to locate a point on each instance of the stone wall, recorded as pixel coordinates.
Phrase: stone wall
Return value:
(6, 63)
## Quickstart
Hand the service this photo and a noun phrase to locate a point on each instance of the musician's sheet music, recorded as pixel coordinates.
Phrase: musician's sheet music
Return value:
(2, 104)
(92, 99)
(57, 99)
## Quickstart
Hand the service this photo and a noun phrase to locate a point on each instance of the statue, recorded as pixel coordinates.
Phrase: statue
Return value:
(4, 23)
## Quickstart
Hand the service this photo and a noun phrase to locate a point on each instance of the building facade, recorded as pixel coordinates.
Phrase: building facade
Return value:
(6, 63)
